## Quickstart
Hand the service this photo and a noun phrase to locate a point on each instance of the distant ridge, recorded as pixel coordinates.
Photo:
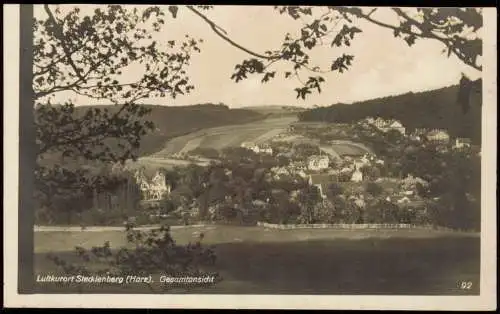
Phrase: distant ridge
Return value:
(275, 110)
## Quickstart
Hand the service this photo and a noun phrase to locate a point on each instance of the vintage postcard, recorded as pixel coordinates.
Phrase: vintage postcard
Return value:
(207, 156)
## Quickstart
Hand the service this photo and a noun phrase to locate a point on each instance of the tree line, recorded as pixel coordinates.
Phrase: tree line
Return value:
(436, 109)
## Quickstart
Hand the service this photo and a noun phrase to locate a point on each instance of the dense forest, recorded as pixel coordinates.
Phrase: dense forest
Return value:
(438, 108)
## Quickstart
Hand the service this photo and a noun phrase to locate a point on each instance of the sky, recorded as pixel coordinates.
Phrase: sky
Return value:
(383, 65)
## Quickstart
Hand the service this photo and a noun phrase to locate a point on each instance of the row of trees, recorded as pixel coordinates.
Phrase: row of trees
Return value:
(107, 202)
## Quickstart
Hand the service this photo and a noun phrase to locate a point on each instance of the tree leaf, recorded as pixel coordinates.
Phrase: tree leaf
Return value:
(173, 10)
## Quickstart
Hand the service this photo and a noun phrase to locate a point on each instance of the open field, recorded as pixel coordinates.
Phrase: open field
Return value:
(352, 145)
(348, 149)
(258, 260)
(167, 163)
(227, 136)
(257, 132)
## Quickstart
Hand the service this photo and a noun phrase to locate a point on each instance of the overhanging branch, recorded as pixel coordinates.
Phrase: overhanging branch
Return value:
(59, 33)
(424, 33)
(221, 33)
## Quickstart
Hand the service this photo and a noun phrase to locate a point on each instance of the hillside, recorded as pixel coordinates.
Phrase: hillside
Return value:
(179, 120)
(276, 110)
(438, 108)
(227, 136)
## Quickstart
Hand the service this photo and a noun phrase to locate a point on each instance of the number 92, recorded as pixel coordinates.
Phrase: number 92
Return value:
(465, 285)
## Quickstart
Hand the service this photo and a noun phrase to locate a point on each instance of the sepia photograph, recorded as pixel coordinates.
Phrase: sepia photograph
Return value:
(252, 156)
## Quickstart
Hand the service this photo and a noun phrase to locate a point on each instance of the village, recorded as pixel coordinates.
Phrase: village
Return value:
(359, 178)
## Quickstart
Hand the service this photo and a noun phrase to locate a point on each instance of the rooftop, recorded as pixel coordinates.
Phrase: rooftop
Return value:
(318, 157)
(464, 139)
(321, 178)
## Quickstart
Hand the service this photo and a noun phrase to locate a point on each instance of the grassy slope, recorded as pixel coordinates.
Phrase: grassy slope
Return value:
(255, 260)
(173, 121)
(229, 135)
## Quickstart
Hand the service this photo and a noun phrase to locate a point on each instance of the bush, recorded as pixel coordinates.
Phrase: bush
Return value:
(153, 251)
(167, 206)
(325, 212)
(373, 189)
(422, 191)
(371, 172)
(335, 189)
(226, 214)
(344, 177)
(282, 213)
(455, 214)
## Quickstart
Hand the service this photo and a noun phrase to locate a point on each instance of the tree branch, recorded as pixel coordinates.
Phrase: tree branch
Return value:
(430, 34)
(96, 132)
(219, 31)
(223, 34)
(59, 33)
(424, 34)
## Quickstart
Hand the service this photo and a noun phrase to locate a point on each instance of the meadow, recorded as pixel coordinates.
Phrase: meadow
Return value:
(257, 132)
(226, 136)
(257, 260)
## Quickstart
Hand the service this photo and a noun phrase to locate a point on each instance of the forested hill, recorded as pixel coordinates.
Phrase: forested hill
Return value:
(172, 121)
(438, 108)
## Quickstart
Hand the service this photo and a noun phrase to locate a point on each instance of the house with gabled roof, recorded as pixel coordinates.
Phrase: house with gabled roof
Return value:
(357, 176)
(318, 162)
(258, 149)
(154, 188)
(396, 125)
(438, 135)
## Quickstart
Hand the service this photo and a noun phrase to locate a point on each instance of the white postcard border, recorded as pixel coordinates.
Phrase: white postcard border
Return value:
(485, 301)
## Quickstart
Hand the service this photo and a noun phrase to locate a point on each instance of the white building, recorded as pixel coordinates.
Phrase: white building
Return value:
(379, 162)
(404, 200)
(462, 143)
(398, 126)
(366, 159)
(316, 163)
(358, 200)
(379, 123)
(370, 120)
(258, 149)
(154, 189)
(265, 150)
(437, 135)
(159, 186)
(387, 125)
(410, 182)
(346, 170)
(357, 176)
